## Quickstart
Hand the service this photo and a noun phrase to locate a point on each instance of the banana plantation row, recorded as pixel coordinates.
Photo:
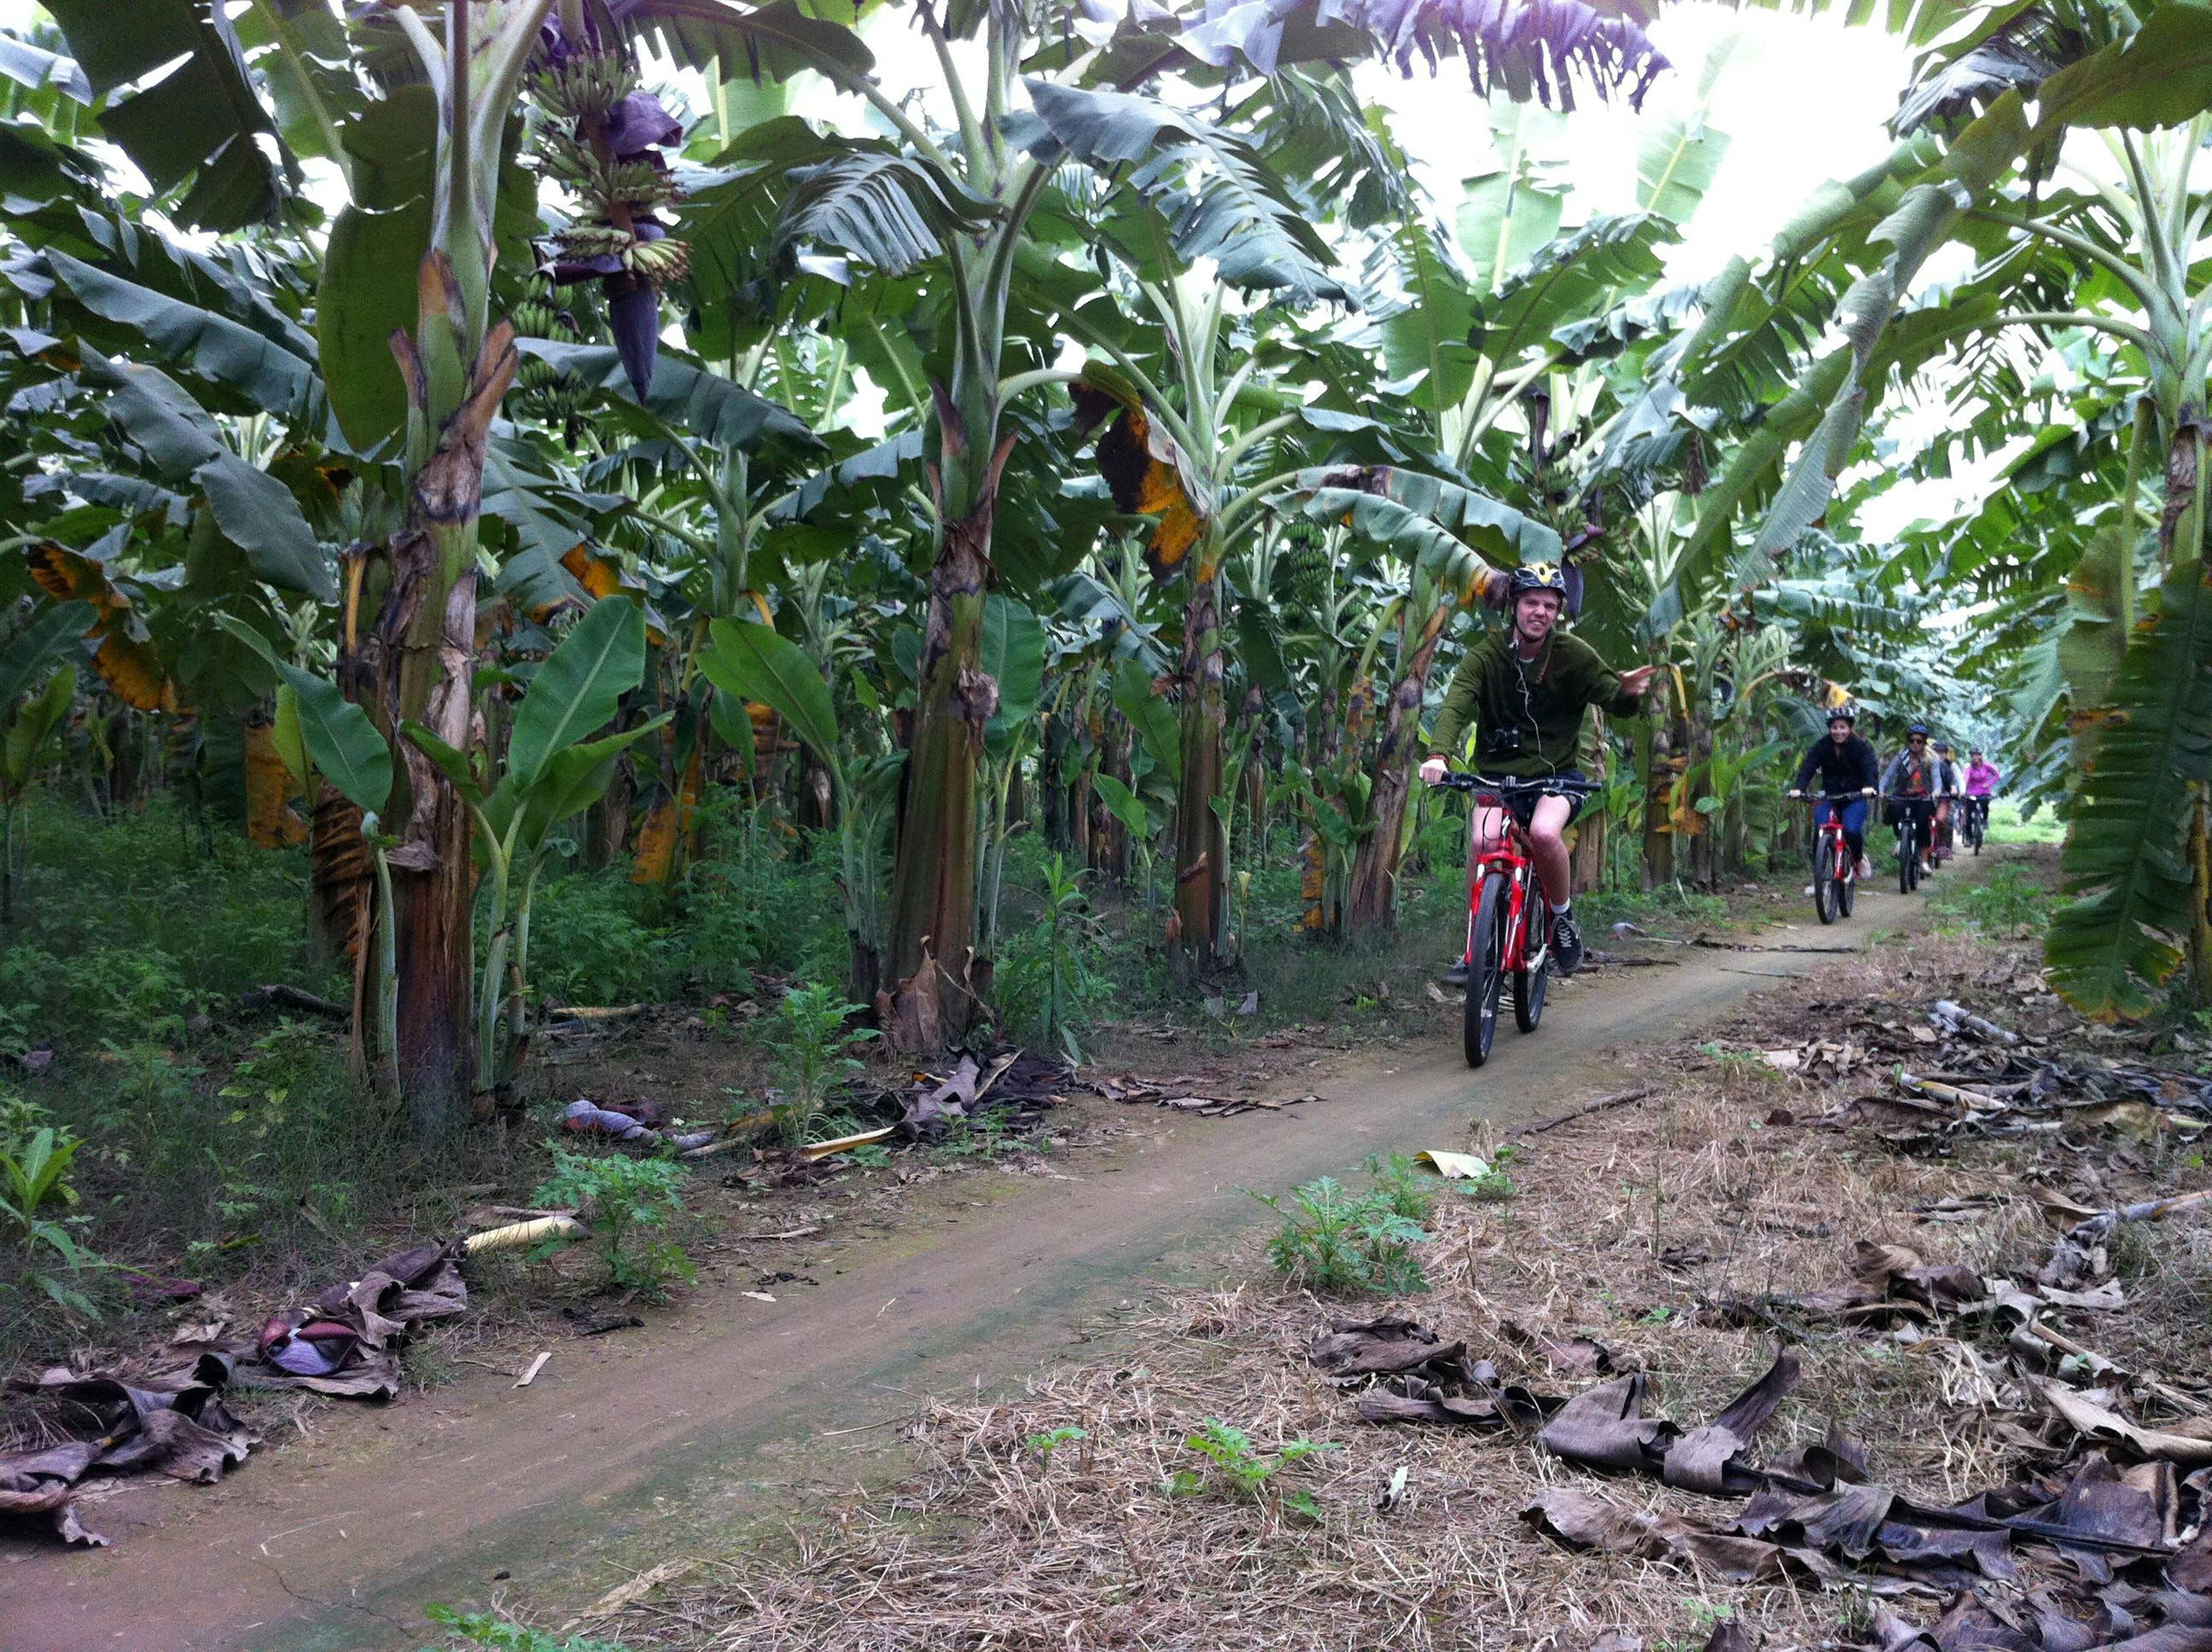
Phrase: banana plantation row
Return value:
(471, 436)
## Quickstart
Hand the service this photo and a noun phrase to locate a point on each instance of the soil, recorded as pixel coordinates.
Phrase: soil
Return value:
(727, 1413)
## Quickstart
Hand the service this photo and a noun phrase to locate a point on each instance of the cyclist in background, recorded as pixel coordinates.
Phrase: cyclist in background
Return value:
(1524, 688)
(1982, 777)
(1910, 785)
(1950, 787)
(1846, 762)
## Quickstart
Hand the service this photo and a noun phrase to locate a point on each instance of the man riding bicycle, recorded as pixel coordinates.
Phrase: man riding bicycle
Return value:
(1525, 688)
(1912, 783)
(1982, 777)
(1845, 763)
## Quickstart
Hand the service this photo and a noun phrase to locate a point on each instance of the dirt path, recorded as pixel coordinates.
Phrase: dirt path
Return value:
(625, 1452)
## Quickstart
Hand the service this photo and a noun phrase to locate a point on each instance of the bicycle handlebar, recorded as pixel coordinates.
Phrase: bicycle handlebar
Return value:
(1834, 797)
(1557, 785)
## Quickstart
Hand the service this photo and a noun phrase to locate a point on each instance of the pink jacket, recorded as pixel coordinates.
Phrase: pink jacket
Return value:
(1981, 778)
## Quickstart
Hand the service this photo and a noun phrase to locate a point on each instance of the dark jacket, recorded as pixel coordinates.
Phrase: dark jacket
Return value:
(1543, 698)
(1850, 767)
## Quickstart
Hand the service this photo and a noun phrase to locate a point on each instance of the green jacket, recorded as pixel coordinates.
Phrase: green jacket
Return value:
(1563, 682)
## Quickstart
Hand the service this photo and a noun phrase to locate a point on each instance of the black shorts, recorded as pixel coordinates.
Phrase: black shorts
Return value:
(1523, 806)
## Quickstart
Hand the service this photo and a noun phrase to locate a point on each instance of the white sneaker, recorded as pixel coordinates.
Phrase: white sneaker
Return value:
(1866, 867)
(1809, 889)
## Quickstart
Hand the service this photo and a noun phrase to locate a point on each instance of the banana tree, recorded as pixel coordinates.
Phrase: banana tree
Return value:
(38, 687)
(2136, 850)
(750, 661)
(553, 770)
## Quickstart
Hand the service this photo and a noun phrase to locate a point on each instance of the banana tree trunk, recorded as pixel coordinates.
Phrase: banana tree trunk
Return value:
(1201, 847)
(422, 653)
(1110, 838)
(1371, 905)
(1586, 865)
(1662, 773)
(932, 948)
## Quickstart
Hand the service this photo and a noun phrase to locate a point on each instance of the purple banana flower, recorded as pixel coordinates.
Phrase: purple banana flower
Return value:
(634, 313)
(638, 125)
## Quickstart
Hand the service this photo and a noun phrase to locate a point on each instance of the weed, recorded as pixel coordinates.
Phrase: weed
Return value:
(2006, 902)
(35, 1190)
(987, 1136)
(1236, 1468)
(1051, 1441)
(481, 1629)
(1495, 1185)
(1045, 984)
(626, 1204)
(1338, 1243)
(812, 1047)
(1404, 1187)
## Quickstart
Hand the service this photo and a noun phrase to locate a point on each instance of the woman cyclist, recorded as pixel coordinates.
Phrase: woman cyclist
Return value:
(1845, 763)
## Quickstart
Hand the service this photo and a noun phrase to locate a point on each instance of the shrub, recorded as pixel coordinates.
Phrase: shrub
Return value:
(2006, 903)
(1339, 1244)
(626, 1204)
(590, 943)
(1046, 986)
(812, 1048)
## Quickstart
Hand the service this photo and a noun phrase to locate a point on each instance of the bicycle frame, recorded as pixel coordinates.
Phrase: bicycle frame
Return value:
(1510, 858)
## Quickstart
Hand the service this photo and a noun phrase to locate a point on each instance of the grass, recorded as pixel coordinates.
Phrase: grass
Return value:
(2009, 825)
(223, 1148)
(1413, 1538)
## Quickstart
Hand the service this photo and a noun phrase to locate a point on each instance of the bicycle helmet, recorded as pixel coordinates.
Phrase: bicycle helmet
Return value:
(1535, 576)
(1917, 732)
(1844, 712)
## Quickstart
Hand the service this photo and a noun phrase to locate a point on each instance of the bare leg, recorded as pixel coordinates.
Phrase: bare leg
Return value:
(1488, 837)
(1548, 849)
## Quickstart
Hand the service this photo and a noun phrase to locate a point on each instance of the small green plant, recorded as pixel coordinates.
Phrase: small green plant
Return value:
(1495, 1185)
(1402, 1185)
(2006, 903)
(1051, 1441)
(812, 1049)
(1340, 1243)
(34, 1188)
(987, 1136)
(626, 1204)
(481, 1629)
(1236, 1468)
(1046, 983)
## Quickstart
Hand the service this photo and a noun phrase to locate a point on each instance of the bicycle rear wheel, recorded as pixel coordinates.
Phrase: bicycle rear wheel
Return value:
(1826, 889)
(1484, 976)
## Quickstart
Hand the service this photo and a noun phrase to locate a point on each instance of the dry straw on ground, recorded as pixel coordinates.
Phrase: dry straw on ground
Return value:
(1042, 1521)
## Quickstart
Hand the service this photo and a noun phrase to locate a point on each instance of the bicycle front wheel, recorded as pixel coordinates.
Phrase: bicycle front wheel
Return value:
(1485, 973)
(1827, 889)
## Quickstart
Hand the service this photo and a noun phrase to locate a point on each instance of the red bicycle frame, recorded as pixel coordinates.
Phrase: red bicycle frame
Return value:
(1510, 859)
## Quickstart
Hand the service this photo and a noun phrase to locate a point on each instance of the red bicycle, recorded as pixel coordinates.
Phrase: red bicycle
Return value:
(1835, 870)
(1503, 902)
